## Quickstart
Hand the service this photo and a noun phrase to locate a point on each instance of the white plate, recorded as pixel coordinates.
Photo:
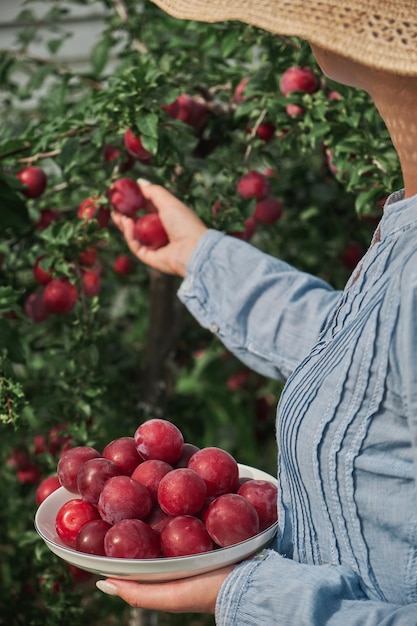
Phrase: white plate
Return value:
(150, 570)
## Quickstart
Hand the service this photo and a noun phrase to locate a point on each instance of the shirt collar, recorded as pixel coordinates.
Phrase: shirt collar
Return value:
(399, 212)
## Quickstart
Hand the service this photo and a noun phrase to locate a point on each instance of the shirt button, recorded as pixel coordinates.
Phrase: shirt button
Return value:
(214, 328)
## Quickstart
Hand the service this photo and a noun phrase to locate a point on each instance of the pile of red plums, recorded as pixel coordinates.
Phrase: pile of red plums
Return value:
(152, 495)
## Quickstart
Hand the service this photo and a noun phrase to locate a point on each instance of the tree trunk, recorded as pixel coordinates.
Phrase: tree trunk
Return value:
(165, 321)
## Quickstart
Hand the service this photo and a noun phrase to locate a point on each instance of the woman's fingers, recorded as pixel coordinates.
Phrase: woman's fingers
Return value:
(184, 229)
(126, 226)
(178, 219)
(190, 595)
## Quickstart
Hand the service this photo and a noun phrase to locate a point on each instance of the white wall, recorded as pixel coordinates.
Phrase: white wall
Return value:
(83, 22)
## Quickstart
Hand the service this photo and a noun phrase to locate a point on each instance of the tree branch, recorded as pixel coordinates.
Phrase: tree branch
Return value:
(59, 69)
(124, 18)
(253, 134)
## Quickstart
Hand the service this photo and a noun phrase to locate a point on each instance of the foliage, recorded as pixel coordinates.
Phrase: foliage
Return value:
(96, 372)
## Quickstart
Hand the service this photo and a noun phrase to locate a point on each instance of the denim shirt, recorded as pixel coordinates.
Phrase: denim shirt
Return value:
(346, 549)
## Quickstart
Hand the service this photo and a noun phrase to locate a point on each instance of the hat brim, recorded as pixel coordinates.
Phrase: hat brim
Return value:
(378, 33)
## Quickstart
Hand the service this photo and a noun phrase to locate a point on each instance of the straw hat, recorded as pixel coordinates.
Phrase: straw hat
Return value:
(378, 33)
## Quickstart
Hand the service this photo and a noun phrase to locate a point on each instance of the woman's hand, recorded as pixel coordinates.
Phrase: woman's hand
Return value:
(189, 595)
(182, 225)
(184, 229)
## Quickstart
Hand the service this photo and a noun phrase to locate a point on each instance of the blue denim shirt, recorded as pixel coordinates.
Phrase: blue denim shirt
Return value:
(346, 549)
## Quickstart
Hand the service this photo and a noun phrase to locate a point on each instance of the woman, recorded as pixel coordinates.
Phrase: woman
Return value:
(346, 550)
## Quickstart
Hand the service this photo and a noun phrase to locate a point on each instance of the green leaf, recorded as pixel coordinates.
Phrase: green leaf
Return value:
(38, 78)
(148, 125)
(13, 212)
(55, 44)
(8, 298)
(11, 146)
(100, 55)
(10, 341)
(366, 200)
(229, 43)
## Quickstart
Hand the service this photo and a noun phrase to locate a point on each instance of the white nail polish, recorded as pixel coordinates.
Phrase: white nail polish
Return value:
(106, 587)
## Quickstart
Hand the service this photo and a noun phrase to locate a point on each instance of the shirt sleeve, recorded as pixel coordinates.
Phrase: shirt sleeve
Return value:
(263, 310)
(275, 591)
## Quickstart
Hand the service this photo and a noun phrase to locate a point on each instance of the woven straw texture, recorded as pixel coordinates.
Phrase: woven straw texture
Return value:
(379, 33)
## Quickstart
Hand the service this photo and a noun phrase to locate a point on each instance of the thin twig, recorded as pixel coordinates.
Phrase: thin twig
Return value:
(253, 133)
(43, 155)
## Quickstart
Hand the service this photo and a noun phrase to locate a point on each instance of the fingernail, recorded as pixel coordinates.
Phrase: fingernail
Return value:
(106, 587)
(142, 182)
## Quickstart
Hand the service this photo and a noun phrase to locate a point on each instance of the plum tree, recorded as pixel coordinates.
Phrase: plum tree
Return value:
(92, 341)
